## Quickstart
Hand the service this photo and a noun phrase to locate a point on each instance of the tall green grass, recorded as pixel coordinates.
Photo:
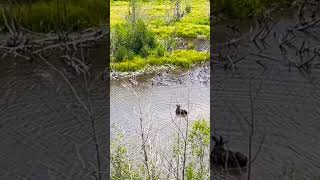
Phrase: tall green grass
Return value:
(179, 58)
(48, 15)
(157, 15)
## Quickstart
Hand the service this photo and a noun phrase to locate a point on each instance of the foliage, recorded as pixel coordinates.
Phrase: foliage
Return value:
(199, 140)
(134, 45)
(121, 164)
(131, 39)
(199, 137)
(197, 168)
(57, 15)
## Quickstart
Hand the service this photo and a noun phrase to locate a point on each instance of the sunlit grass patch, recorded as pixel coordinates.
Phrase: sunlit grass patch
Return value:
(157, 15)
(185, 30)
(160, 21)
(179, 58)
(118, 11)
(130, 65)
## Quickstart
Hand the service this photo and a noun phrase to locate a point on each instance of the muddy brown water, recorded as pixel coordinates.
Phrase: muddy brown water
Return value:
(45, 132)
(286, 109)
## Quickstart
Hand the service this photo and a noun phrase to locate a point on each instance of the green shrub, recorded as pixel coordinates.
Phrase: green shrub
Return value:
(188, 9)
(141, 37)
(121, 164)
(199, 140)
(132, 39)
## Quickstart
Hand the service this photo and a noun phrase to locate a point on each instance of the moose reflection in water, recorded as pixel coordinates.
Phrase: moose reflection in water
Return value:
(223, 159)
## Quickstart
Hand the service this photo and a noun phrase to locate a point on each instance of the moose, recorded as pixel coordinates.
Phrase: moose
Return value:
(226, 159)
(181, 112)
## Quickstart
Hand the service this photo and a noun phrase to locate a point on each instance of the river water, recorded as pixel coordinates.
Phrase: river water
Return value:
(285, 99)
(45, 131)
(158, 101)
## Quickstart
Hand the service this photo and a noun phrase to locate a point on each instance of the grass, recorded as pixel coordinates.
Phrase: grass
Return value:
(156, 15)
(245, 8)
(179, 58)
(159, 18)
(45, 16)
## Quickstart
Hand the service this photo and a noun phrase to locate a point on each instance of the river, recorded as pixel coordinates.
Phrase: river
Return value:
(285, 98)
(46, 133)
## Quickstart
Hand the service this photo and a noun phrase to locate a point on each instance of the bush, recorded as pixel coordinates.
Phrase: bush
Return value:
(140, 37)
(199, 140)
(122, 165)
(132, 39)
(188, 9)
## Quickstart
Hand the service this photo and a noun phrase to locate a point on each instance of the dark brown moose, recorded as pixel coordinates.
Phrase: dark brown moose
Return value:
(222, 158)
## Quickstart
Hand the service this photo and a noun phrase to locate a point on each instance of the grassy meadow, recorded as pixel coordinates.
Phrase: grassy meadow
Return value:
(152, 42)
(158, 15)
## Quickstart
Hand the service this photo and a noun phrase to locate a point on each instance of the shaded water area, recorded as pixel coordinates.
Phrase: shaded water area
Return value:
(46, 133)
(158, 94)
(282, 65)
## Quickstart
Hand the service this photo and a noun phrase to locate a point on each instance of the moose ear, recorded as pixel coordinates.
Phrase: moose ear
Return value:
(221, 140)
(215, 139)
